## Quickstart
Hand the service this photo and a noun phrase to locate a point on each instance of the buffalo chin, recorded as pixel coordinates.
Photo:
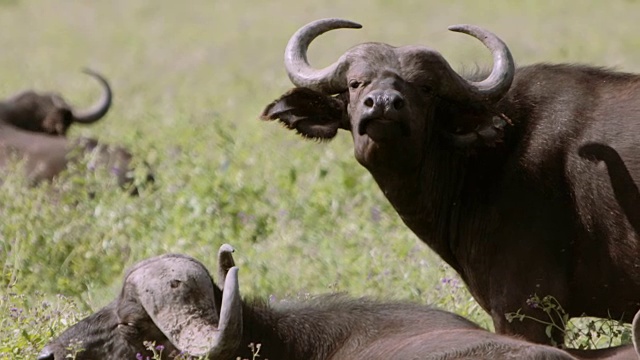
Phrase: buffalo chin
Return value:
(383, 130)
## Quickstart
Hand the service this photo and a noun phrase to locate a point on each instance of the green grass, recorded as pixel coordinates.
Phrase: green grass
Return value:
(190, 79)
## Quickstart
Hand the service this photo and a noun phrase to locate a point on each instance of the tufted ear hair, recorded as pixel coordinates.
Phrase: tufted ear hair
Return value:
(311, 113)
(178, 294)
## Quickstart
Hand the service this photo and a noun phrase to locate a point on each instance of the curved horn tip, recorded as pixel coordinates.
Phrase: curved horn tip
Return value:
(95, 74)
(496, 85)
(225, 262)
(463, 28)
(91, 72)
(457, 27)
(342, 23)
(101, 107)
(226, 248)
(301, 74)
(88, 70)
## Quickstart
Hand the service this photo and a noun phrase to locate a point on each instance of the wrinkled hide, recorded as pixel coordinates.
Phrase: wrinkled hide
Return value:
(166, 297)
(488, 173)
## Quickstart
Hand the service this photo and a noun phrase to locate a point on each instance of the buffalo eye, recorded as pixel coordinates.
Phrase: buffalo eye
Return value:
(128, 328)
(354, 84)
(426, 88)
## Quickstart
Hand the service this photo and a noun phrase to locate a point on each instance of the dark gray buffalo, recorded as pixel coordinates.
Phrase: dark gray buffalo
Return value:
(172, 300)
(487, 172)
(49, 113)
(45, 156)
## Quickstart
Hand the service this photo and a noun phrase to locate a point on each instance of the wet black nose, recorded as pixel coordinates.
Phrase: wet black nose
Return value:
(46, 354)
(383, 103)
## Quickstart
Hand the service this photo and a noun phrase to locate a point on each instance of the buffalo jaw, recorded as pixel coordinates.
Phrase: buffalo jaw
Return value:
(49, 113)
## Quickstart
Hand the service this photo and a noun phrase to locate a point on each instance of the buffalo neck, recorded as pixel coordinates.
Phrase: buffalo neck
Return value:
(446, 194)
(298, 332)
(423, 203)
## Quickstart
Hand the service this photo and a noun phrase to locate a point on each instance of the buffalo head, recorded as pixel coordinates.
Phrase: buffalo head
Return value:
(387, 96)
(170, 300)
(49, 112)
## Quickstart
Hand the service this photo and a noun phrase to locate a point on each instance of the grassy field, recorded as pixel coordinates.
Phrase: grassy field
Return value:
(190, 79)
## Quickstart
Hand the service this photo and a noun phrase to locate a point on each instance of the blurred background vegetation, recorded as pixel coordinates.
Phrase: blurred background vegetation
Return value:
(190, 79)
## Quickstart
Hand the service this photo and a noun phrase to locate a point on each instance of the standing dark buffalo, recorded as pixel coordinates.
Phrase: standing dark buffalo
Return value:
(487, 173)
(45, 156)
(172, 301)
(49, 113)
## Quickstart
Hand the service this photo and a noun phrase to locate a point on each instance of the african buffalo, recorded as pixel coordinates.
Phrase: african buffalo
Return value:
(49, 113)
(45, 156)
(172, 300)
(487, 171)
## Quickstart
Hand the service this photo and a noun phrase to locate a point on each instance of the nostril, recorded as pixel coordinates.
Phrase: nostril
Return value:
(368, 102)
(46, 354)
(398, 103)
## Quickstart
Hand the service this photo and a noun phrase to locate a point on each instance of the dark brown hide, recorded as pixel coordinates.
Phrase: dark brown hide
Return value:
(526, 215)
(49, 113)
(331, 327)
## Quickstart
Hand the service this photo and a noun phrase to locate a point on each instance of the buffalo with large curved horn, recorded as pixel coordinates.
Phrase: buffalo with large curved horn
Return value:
(514, 209)
(172, 301)
(49, 113)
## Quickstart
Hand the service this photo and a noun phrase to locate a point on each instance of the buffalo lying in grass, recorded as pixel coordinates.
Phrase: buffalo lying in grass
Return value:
(45, 156)
(49, 113)
(172, 301)
(487, 173)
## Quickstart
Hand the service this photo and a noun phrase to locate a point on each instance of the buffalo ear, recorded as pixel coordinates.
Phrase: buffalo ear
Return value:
(312, 114)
